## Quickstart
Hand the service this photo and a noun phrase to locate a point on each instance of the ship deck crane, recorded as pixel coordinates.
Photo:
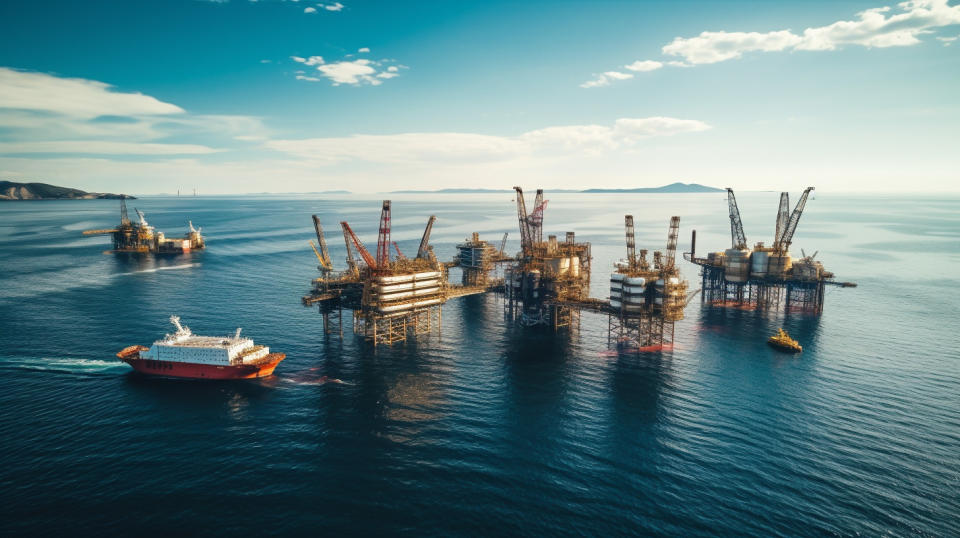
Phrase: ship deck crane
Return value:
(737, 236)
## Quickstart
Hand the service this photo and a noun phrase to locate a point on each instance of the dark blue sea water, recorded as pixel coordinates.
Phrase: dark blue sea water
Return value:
(488, 428)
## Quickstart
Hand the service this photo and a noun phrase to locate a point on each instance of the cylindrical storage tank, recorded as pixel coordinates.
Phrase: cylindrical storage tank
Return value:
(574, 266)
(759, 262)
(634, 290)
(635, 281)
(615, 303)
(779, 264)
(736, 264)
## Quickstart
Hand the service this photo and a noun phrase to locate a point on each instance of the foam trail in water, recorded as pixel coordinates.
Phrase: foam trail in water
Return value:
(62, 365)
(155, 269)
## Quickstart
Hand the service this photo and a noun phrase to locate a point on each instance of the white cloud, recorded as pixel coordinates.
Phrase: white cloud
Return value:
(363, 49)
(351, 72)
(605, 78)
(466, 148)
(336, 6)
(876, 27)
(712, 47)
(313, 60)
(644, 65)
(41, 113)
(75, 97)
(947, 40)
(103, 147)
(310, 10)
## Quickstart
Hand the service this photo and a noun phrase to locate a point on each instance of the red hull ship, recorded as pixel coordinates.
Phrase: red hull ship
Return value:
(186, 355)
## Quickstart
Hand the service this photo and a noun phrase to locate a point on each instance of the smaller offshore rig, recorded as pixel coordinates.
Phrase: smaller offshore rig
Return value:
(647, 299)
(392, 296)
(766, 277)
(140, 236)
(549, 278)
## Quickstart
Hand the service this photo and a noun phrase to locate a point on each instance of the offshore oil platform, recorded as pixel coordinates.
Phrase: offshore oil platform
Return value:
(546, 284)
(140, 236)
(392, 296)
(766, 277)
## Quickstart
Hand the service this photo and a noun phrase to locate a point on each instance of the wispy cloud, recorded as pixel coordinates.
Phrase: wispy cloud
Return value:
(874, 28)
(309, 10)
(604, 79)
(42, 113)
(350, 72)
(466, 148)
(336, 6)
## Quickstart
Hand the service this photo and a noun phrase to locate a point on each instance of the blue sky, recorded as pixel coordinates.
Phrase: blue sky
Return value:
(284, 96)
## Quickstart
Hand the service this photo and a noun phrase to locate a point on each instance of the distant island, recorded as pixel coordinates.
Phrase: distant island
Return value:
(10, 190)
(671, 188)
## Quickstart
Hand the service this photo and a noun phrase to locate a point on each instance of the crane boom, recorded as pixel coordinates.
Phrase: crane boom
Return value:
(400, 255)
(423, 253)
(672, 242)
(383, 239)
(364, 253)
(737, 237)
(503, 243)
(794, 220)
(351, 259)
(525, 239)
(325, 264)
(322, 241)
(536, 218)
(783, 217)
(124, 218)
(631, 241)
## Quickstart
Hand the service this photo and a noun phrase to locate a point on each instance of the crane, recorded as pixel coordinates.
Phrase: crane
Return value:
(784, 244)
(351, 259)
(124, 218)
(672, 242)
(737, 237)
(364, 253)
(324, 254)
(424, 252)
(503, 244)
(525, 232)
(383, 240)
(536, 217)
(631, 242)
(325, 265)
(783, 217)
(400, 255)
(143, 220)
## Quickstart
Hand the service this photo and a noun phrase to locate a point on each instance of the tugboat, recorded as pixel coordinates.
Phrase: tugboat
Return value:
(186, 355)
(783, 342)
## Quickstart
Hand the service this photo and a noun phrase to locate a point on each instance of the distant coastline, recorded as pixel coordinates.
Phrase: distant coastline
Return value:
(672, 188)
(13, 191)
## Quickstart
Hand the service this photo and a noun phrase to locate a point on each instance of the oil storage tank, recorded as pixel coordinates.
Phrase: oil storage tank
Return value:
(736, 264)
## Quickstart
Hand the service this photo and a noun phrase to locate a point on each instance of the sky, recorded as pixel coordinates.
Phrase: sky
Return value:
(240, 96)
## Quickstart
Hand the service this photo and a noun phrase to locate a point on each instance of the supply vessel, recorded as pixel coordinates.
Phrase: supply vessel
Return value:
(186, 355)
(783, 342)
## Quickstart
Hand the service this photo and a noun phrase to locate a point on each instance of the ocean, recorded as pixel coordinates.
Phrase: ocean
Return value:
(486, 428)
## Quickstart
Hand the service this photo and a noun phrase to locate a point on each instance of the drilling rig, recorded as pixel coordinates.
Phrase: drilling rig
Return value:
(764, 277)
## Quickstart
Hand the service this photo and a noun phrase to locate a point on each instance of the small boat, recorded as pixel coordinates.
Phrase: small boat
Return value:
(186, 355)
(783, 342)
